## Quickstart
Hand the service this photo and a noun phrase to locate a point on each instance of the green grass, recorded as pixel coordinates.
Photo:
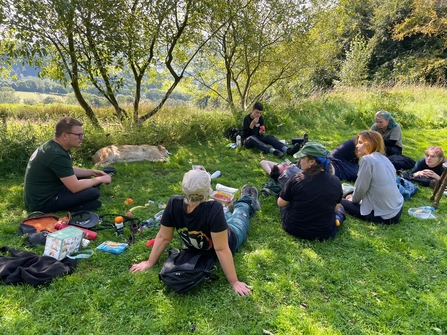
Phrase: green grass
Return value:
(371, 279)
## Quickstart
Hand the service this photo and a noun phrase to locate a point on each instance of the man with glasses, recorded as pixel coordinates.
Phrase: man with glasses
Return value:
(52, 183)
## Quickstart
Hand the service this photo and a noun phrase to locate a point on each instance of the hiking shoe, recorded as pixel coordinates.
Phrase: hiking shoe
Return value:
(254, 199)
(294, 149)
(305, 138)
(278, 153)
(246, 190)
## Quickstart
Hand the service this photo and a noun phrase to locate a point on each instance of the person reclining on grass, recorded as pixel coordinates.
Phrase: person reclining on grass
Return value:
(279, 172)
(254, 133)
(52, 183)
(203, 225)
(428, 170)
(343, 163)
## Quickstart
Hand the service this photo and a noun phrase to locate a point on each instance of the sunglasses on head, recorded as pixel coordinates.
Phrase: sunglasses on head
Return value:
(435, 149)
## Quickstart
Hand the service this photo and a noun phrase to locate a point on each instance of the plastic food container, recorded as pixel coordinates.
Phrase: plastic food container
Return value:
(222, 196)
(420, 213)
(159, 215)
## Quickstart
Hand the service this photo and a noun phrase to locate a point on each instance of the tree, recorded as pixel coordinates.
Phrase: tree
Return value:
(428, 17)
(354, 70)
(255, 49)
(84, 42)
(7, 96)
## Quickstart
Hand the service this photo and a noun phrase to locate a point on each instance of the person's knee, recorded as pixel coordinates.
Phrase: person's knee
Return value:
(249, 142)
(92, 193)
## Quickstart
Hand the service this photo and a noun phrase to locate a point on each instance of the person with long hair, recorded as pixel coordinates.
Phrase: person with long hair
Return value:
(390, 131)
(428, 170)
(376, 197)
(310, 200)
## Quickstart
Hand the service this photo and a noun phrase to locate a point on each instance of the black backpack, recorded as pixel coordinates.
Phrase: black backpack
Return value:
(187, 268)
(232, 134)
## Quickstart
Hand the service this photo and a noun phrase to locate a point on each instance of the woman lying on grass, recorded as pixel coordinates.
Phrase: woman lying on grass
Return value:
(376, 197)
(279, 172)
(310, 200)
(202, 225)
(428, 170)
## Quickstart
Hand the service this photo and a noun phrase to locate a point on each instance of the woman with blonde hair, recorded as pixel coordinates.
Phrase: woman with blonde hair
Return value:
(390, 131)
(376, 197)
(428, 170)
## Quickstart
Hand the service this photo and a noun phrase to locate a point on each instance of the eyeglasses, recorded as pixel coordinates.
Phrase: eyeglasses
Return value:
(80, 135)
(435, 149)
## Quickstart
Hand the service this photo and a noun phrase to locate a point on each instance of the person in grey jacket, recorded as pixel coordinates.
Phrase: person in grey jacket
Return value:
(390, 131)
(376, 197)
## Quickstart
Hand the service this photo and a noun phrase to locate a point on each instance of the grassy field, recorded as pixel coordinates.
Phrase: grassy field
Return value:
(36, 97)
(371, 279)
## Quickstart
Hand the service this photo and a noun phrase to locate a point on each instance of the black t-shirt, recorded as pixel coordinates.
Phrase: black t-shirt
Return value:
(246, 126)
(312, 201)
(196, 227)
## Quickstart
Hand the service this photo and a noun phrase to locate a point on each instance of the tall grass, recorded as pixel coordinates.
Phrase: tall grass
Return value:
(371, 279)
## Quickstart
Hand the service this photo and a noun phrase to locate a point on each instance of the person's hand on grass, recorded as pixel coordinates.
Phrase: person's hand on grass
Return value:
(241, 288)
(142, 266)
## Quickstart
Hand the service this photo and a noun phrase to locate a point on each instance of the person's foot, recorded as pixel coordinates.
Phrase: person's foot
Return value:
(278, 153)
(254, 199)
(294, 149)
(246, 190)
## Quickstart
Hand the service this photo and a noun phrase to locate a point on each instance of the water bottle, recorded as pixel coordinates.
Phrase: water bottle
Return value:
(238, 141)
(119, 225)
(91, 235)
(216, 174)
(146, 224)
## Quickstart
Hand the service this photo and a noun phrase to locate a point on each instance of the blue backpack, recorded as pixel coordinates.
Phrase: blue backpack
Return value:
(406, 188)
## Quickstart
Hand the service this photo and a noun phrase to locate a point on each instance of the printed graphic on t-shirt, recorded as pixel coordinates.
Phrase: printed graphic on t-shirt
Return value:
(195, 239)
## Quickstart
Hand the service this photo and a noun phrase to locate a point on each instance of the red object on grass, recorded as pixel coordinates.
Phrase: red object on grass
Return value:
(150, 243)
(88, 234)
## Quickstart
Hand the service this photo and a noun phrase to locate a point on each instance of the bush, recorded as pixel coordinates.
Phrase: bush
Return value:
(29, 101)
(17, 142)
(7, 96)
(51, 100)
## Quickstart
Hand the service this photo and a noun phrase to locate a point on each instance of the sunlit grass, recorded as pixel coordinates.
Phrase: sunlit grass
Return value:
(371, 279)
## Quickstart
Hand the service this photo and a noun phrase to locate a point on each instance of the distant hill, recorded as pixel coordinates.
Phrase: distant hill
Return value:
(25, 71)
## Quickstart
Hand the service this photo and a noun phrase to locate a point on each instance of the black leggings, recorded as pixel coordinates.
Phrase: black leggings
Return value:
(354, 210)
(65, 199)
